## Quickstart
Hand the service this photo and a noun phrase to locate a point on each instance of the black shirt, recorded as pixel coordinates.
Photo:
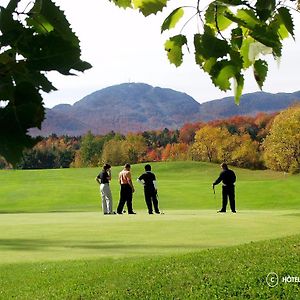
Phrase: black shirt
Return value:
(148, 178)
(103, 176)
(227, 177)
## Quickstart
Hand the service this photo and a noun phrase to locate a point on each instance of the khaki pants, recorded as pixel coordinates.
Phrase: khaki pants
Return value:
(106, 198)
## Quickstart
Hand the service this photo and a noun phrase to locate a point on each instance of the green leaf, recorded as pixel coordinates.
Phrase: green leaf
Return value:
(260, 72)
(245, 52)
(28, 106)
(52, 17)
(40, 24)
(269, 38)
(148, 7)
(249, 17)
(278, 26)
(12, 140)
(51, 52)
(172, 19)
(122, 3)
(221, 73)
(197, 44)
(236, 38)
(6, 83)
(236, 59)
(11, 29)
(287, 20)
(238, 86)
(25, 110)
(232, 2)
(256, 49)
(208, 64)
(174, 48)
(208, 46)
(265, 8)
(12, 5)
(214, 16)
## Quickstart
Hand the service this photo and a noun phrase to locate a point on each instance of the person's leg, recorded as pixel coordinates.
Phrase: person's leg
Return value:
(155, 202)
(148, 201)
(129, 200)
(224, 198)
(122, 199)
(231, 194)
(108, 199)
(103, 196)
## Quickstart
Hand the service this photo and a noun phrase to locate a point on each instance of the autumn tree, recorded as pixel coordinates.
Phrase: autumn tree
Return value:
(207, 142)
(153, 155)
(187, 132)
(282, 145)
(175, 152)
(247, 153)
(90, 150)
(136, 147)
(51, 152)
(115, 152)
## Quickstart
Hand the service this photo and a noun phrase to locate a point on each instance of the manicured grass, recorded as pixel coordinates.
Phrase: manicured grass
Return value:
(226, 273)
(55, 243)
(70, 236)
(182, 185)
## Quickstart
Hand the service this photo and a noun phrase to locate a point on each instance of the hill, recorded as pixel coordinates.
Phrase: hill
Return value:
(132, 107)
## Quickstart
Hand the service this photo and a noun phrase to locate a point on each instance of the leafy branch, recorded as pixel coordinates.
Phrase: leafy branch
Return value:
(234, 36)
(33, 41)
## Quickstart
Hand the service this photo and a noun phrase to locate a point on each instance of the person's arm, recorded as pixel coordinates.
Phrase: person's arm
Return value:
(130, 181)
(141, 180)
(155, 182)
(109, 174)
(219, 179)
(98, 179)
(233, 177)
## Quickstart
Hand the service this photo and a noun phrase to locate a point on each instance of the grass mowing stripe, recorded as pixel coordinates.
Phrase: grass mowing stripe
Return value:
(226, 273)
(60, 236)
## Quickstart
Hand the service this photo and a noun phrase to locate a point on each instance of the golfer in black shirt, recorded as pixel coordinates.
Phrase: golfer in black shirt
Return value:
(228, 179)
(148, 179)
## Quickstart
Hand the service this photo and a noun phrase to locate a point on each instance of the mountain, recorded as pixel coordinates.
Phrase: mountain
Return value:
(132, 107)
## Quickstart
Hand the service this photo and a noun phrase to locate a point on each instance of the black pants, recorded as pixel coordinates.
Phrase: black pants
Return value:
(228, 192)
(125, 197)
(150, 197)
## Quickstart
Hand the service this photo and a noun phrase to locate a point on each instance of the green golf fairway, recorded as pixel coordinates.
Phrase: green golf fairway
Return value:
(181, 185)
(68, 236)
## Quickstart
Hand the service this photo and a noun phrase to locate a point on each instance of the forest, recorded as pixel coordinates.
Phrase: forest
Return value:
(258, 142)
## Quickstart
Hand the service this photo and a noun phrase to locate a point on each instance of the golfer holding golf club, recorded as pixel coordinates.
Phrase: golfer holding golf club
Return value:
(228, 179)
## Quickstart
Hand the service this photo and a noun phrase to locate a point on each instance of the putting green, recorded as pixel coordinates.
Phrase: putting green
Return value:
(87, 235)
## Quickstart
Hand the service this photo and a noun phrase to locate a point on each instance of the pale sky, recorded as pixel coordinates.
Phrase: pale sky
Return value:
(124, 46)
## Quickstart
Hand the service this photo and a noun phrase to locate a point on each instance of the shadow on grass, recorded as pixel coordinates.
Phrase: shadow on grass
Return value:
(292, 215)
(43, 244)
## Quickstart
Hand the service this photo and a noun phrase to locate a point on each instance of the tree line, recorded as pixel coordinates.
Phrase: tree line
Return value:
(264, 141)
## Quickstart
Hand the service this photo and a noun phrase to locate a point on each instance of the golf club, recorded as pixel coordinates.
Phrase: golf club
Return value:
(214, 194)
